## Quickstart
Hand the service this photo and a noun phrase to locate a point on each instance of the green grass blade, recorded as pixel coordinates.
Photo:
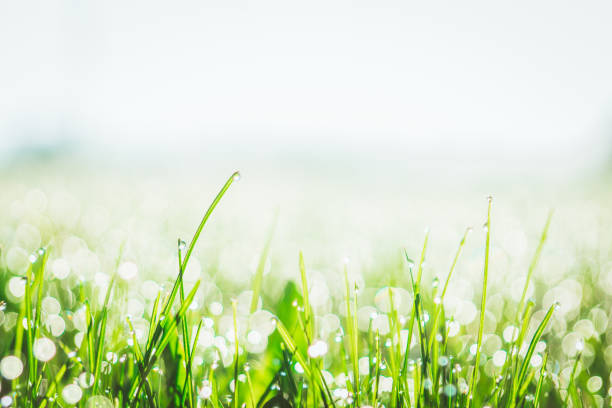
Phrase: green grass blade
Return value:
(189, 390)
(53, 386)
(483, 302)
(258, 279)
(189, 386)
(535, 339)
(196, 235)
(351, 327)
(440, 300)
(168, 329)
(236, 352)
(32, 362)
(102, 334)
(290, 343)
(534, 263)
(100, 348)
(538, 393)
(308, 318)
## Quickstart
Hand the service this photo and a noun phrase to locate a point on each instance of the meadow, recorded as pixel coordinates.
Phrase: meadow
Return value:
(396, 297)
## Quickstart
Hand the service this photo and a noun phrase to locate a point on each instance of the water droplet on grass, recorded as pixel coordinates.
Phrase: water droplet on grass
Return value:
(205, 390)
(236, 176)
(449, 390)
(111, 357)
(318, 349)
(72, 393)
(6, 401)
(44, 349)
(98, 401)
(86, 380)
(11, 367)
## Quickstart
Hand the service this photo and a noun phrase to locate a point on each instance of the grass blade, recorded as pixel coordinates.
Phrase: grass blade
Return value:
(483, 302)
(258, 279)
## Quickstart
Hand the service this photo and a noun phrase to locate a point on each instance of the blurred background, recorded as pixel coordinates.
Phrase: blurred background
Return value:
(526, 83)
(358, 122)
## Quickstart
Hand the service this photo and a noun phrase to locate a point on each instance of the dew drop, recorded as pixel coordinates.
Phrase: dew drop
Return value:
(98, 401)
(499, 358)
(44, 349)
(317, 349)
(60, 268)
(111, 357)
(106, 367)
(127, 270)
(449, 390)
(236, 176)
(72, 393)
(86, 380)
(6, 401)
(11, 367)
(205, 390)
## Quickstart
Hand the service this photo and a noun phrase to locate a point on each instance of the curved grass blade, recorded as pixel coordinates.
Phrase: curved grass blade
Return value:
(530, 350)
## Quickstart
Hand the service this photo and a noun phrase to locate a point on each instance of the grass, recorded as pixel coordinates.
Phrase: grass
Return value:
(407, 356)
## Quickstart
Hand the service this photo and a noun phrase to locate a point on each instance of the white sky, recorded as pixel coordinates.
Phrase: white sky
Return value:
(430, 78)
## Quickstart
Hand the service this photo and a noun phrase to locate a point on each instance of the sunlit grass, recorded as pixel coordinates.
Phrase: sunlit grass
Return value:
(181, 345)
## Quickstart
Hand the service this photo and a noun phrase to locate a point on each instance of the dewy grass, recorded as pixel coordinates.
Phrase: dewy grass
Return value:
(483, 303)
(403, 353)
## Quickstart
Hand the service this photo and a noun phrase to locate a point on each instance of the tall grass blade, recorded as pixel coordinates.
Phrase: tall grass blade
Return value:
(475, 374)
(261, 266)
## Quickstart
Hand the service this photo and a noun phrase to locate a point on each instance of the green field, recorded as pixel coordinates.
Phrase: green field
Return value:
(338, 296)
